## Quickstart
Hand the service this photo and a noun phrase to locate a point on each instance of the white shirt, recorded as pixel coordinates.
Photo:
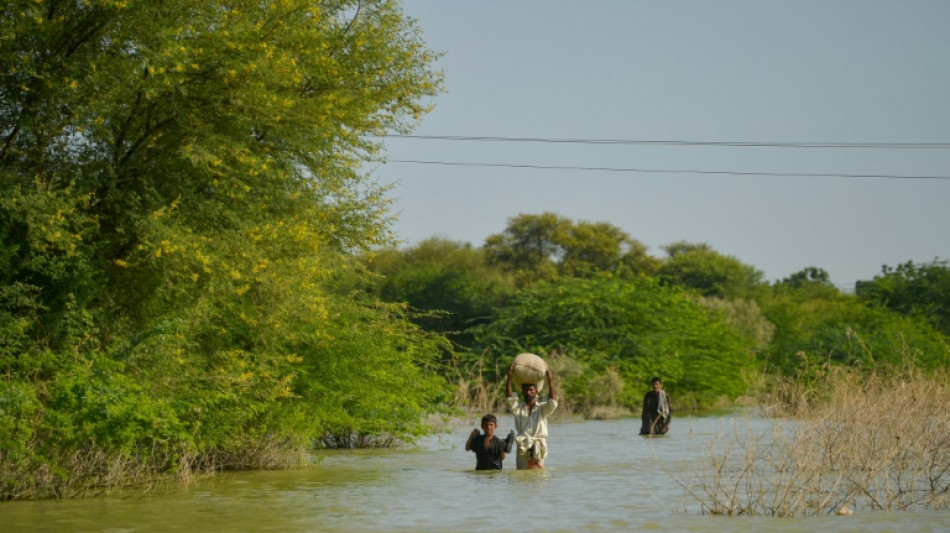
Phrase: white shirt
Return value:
(533, 424)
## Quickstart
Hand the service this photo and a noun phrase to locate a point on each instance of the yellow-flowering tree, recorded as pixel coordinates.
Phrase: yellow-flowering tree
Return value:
(180, 189)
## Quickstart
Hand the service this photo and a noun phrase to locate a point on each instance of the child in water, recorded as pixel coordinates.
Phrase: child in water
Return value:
(489, 450)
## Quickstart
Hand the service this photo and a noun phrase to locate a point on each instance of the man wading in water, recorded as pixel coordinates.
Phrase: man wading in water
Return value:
(656, 410)
(531, 421)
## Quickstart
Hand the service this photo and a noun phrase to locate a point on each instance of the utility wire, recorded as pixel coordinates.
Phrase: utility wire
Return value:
(766, 144)
(666, 171)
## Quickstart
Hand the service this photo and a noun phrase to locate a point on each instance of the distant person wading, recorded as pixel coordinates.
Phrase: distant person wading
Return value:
(657, 412)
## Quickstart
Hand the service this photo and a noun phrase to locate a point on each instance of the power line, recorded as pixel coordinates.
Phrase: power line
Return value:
(666, 171)
(754, 144)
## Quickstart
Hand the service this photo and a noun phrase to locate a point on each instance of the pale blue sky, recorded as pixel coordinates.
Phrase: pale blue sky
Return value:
(828, 71)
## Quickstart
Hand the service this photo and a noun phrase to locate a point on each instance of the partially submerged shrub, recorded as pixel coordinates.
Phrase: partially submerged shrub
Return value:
(874, 443)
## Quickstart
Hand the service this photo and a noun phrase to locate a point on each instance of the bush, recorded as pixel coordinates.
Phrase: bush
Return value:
(811, 330)
(874, 442)
(632, 329)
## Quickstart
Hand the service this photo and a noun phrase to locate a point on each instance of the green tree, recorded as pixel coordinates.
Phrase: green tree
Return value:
(138, 130)
(813, 328)
(809, 276)
(709, 273)
(918, 290)
(591, 247)
(180, 190)
(745, 316)
(682, 247)
(811, 281)
(634, 328)
(545, 246)
(448, 284)
(530, 246)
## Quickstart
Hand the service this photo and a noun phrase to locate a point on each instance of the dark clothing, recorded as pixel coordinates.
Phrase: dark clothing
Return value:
(490, 458)
(657, 413)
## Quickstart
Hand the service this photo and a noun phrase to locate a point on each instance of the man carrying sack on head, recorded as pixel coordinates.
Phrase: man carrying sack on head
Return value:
(531, 415)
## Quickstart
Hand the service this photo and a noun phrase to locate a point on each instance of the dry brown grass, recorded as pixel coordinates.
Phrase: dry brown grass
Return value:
(476, 394)
(879, 443)
(82, 473)
(94, 472)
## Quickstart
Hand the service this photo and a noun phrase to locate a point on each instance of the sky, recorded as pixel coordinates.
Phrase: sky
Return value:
(687, 74)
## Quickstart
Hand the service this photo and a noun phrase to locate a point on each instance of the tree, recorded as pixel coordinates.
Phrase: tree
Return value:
(809, 275)
(918, 290)
(682, 247)
(531, 246)
(811, 280)
(635, 328)
(709, 273)
(591, 247)
(180, 185)
(815, 328)
(448, 284)
(144, 128)
(545, 246)
(745, 317)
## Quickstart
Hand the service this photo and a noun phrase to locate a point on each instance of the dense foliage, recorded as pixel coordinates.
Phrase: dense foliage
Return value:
(546, 246)
(917, 290)
(609, 316)
(819, 326)
(449, 286)
(634, 329)
(180, 200)
(707, 272)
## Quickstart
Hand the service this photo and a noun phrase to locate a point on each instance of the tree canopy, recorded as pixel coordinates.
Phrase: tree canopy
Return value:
(700, 268)
(919, 290)
(181, 200)
(545, 246)
(448, 286)
(634, 328)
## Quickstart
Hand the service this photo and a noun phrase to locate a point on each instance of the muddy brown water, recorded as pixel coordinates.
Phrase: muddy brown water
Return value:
(600, 476)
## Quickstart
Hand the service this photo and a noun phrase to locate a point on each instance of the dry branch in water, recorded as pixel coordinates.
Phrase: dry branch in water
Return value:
(871, 443)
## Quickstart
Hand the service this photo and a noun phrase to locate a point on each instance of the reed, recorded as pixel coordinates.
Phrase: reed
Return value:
(476, 391)
(859, 442)
(355, 439)
(78, 473)
(91, 471)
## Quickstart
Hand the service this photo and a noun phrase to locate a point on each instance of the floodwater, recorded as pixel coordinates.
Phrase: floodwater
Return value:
(600, 476)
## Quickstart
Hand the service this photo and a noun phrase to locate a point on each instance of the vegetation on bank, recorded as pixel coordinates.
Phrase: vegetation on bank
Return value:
(181, 206)
(609, 316)
(196, 274)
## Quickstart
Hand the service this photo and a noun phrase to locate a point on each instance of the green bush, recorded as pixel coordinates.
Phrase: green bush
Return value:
(816, 328)
(634, 328)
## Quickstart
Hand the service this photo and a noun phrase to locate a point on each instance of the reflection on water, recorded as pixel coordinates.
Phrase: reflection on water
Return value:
(600, 476)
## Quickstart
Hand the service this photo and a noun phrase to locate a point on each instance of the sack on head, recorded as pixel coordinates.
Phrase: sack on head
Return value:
(528, 368)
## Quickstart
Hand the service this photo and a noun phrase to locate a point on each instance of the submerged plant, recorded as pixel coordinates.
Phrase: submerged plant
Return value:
(876, 443)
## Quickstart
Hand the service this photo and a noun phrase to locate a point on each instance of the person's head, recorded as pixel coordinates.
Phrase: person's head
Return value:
(530, 392)
(656, 383)
(489, 423)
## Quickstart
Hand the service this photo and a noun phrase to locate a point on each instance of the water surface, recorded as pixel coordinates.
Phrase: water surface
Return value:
(600, 476)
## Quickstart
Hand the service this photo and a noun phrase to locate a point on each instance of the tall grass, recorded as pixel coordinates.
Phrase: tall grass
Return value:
(853, 442)
(86, 473)
(92, 472)
(476, 392)
(590, 394)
